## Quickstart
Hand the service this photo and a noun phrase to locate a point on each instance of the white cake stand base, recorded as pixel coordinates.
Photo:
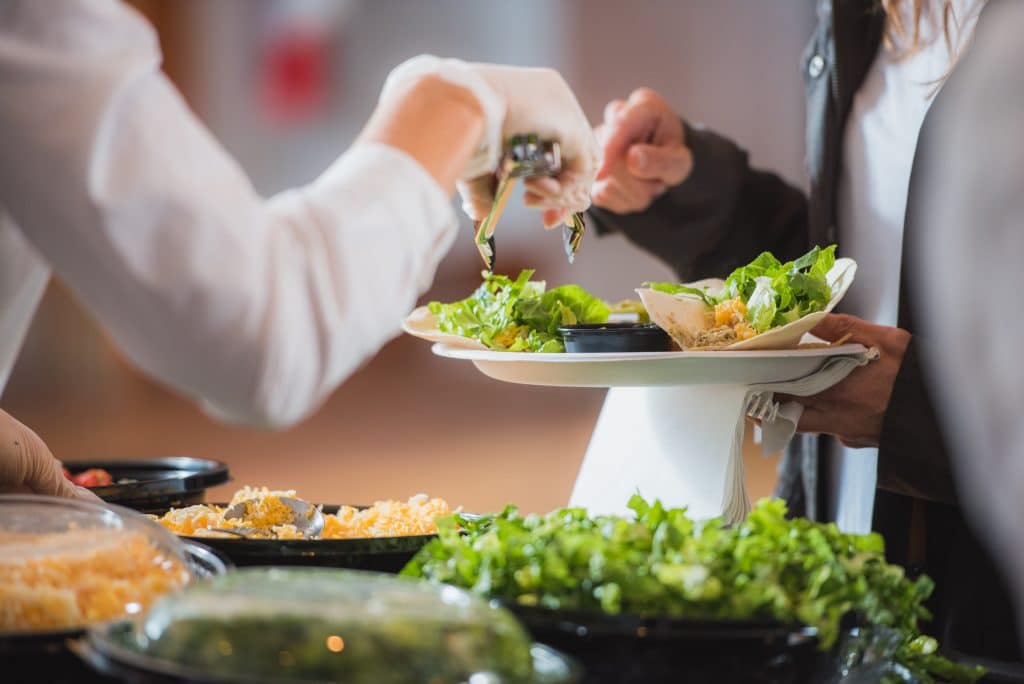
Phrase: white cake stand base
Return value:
(668, 424)
(663, 442)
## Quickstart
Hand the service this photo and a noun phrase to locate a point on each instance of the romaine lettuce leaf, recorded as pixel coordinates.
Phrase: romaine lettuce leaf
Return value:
(676, 288)
(565, 305)
(520, 314)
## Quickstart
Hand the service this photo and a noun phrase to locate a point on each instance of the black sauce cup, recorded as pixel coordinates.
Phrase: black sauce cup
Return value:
(605, 338)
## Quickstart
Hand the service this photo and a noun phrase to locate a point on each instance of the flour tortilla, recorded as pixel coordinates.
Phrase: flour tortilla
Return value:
(423, 324)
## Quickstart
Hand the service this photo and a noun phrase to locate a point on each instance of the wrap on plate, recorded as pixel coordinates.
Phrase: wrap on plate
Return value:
(763, 305)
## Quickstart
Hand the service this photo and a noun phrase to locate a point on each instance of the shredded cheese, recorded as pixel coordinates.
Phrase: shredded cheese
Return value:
(75, 578)
(266, 513)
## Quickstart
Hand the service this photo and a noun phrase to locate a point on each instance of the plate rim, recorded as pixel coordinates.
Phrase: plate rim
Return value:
(491, 356)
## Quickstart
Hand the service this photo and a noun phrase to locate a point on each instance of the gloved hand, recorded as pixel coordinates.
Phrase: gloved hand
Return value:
(517, 100)
(28, 467)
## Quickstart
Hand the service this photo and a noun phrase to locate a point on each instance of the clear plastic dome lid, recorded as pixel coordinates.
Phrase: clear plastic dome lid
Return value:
(66, 564)
(302, 625)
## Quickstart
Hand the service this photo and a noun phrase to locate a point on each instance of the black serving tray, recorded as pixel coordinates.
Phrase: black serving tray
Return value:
(156, 484)
(381, 554)
(47, 656)
(623, 649)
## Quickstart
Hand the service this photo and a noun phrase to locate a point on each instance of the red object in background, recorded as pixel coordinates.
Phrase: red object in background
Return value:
(93, 477)
(294, 78)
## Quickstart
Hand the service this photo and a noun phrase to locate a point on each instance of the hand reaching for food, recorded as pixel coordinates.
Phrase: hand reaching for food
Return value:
(515, 101)
(644, 152)
(854, 409)
(28, 467)
(541, 103)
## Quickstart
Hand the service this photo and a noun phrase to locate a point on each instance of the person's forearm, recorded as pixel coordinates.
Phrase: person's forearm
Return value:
(259, 307)
(437, 123)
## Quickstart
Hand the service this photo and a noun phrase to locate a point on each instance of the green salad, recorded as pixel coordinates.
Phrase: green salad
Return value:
(772, 293)
(662, 562)
(519, 315)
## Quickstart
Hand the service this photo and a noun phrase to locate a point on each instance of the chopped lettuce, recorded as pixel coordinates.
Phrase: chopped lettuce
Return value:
(775, 293)
(661, 562)
(520, 314)
(676, 288)
(565, 305)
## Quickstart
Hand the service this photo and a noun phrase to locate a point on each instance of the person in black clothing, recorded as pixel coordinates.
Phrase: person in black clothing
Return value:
(690, 197)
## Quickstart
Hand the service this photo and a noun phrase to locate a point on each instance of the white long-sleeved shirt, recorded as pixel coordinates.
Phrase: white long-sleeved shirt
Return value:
(259, 307)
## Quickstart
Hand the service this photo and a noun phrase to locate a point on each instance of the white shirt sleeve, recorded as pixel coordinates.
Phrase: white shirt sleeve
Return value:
(259, 307)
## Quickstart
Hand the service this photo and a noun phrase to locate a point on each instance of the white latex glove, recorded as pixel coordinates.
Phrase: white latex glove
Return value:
(28, 467)
(518, 101)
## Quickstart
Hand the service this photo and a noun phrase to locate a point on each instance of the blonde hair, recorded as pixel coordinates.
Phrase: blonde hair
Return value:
(903, 28)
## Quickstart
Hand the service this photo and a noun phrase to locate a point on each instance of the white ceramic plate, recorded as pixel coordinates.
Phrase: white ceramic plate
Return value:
(677, 313)
(648, 369)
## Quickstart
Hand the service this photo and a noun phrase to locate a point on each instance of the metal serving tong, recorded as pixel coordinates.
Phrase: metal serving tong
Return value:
(526, 156)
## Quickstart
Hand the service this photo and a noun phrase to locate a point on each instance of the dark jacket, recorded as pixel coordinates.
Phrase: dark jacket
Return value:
(724, 214)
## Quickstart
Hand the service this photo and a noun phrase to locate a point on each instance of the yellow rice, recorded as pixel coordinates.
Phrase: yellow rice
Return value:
(266, 513)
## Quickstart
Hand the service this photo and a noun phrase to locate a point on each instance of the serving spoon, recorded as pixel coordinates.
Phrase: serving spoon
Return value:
(307, 518)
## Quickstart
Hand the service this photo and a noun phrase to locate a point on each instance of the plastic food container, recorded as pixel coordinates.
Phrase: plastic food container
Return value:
(156, 484)
(316, 625)
(615, 338)
(67, 564)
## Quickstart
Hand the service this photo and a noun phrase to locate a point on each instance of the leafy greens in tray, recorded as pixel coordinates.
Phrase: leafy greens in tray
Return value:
(661, 562)
(519, 315)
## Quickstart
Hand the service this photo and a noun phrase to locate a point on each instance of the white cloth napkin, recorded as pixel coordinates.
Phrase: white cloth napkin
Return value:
(778, 422)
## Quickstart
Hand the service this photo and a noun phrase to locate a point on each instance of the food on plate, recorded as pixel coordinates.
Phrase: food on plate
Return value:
(269, 517)
(508, 315)
(660, 562)
(61, 580)
(766, 304)
(93, 477)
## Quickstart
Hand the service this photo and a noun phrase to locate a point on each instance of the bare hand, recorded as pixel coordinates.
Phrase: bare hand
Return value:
(27, 466)
(854, 409)
(644, 153)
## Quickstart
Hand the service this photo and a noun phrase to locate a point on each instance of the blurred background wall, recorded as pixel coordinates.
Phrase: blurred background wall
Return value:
(286, 85)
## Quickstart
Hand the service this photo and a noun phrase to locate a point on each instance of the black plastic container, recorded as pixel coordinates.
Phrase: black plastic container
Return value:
(157, 484)
(623, 649)
(380, 554)
(606, 338)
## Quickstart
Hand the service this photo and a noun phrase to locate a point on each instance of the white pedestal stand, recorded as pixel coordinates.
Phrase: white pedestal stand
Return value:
(668, 443)
(668, 423)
